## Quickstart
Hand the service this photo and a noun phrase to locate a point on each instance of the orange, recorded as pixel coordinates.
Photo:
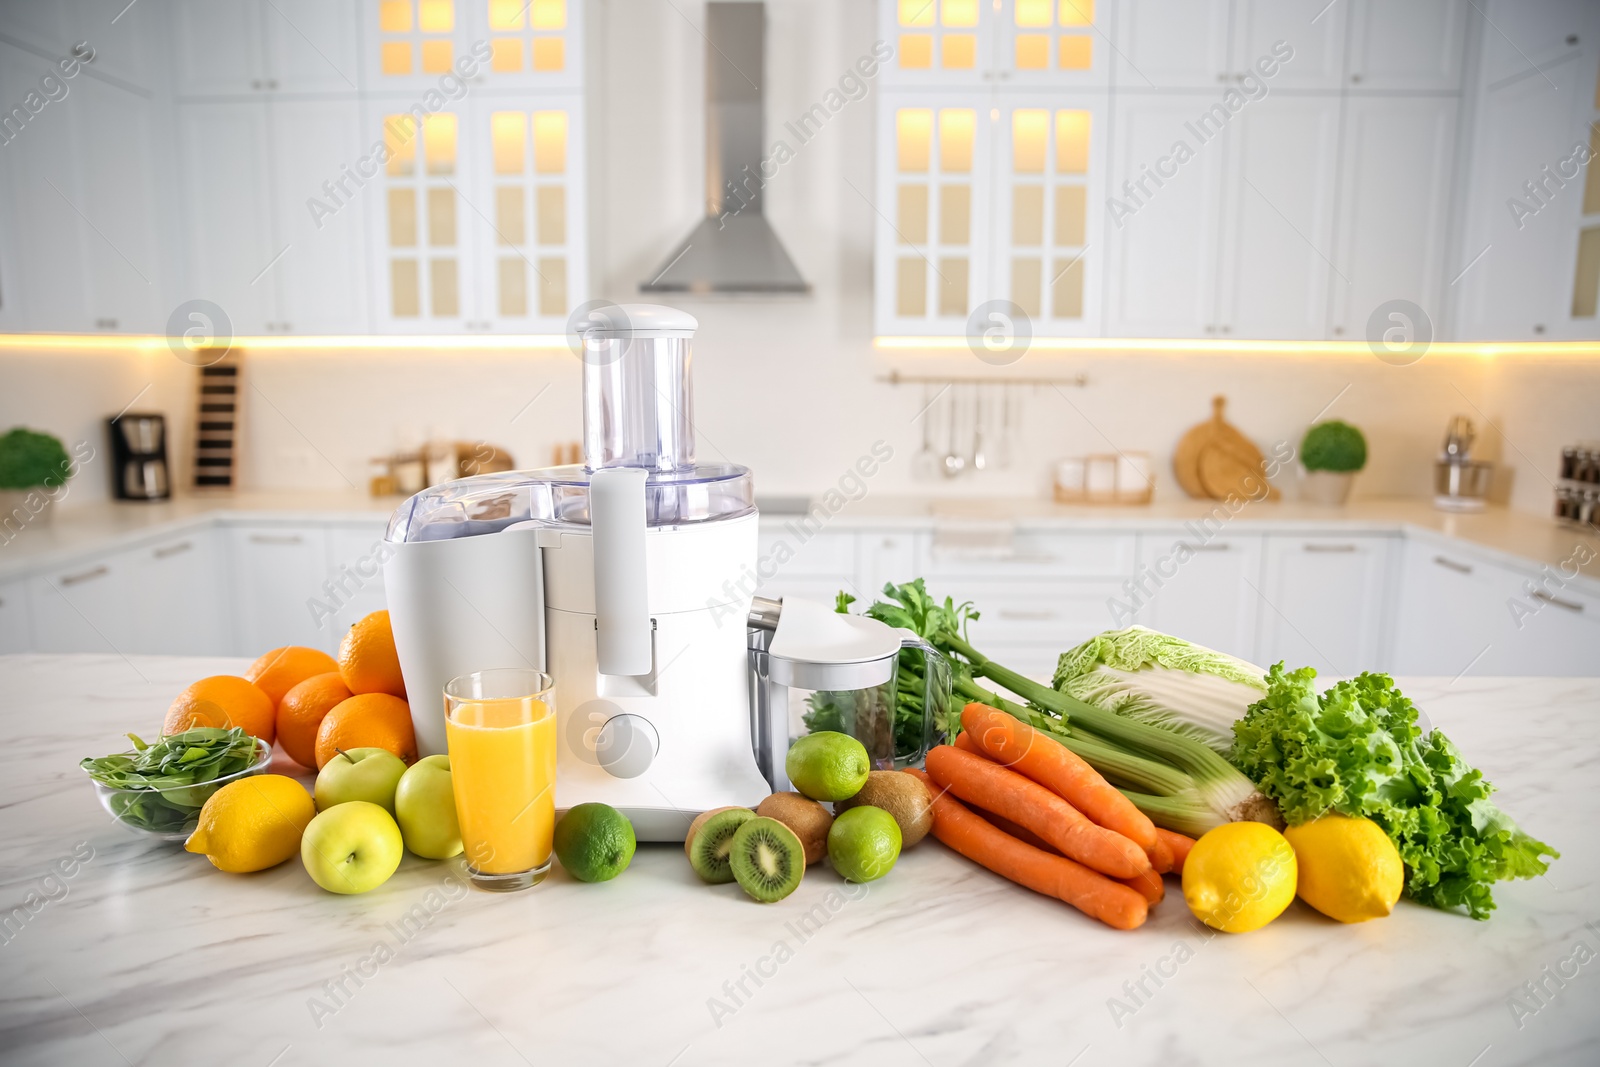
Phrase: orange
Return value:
(282, 669)
(302, 710)
(223, 700)
(367, 720)
(367, 658)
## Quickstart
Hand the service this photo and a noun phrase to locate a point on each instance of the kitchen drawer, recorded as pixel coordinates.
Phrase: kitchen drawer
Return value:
(1058, 614)
(276, 575)
(1324, 601)
(1203, 590)
(85, 606)
(177, 607)
(353, 585)
(16, 633)
(957, 552)
(792, 550)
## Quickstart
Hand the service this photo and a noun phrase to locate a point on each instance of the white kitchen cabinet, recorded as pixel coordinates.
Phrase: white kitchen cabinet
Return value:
(125, 42)
(353, 586)
(1533, 105)
(884, 557)
(311, 46)
(16, 626)
(796, 558)
(216, 46)
(43, 202)
(1394, 195)
(1171, 44)
(1323, 603)
(228, 210)
(85, 606)
(319, 284)
(1461, 613)
(1027, 625)
(1315, 29)
(116, 170)
(1416, 45)
(1164, 232)
(1205, 590)
(251, 47)
(276, 574)
(176, 606)
(1278, 218)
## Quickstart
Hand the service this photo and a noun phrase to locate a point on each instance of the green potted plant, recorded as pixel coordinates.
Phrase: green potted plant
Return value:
(33, 468)
(1331, 453)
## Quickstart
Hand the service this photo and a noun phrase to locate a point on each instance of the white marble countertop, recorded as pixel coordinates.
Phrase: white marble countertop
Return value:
(147, 955)
(78, 529)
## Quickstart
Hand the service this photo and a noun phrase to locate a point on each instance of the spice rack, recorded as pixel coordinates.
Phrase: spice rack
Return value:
(1577, 493)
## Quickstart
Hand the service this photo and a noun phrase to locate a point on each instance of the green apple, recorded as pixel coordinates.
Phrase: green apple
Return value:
(351, 848)
(369, 774)
(425, 807)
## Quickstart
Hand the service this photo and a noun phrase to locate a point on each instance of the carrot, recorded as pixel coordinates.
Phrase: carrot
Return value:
(1148, 885)
(1027, 803)
(1160, 853)
(1093, 894)
(1047, 761)
(1179, 845)
(965, 743)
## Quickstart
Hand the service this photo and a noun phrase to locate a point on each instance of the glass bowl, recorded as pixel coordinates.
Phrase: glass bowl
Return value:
(170, 814)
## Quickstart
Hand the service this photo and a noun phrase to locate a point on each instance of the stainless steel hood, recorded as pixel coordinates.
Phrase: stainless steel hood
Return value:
(733, 249)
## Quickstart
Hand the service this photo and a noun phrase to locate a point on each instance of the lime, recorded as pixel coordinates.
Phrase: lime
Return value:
(863, 844)
(594, 842)
(827, 765)
(1239, 877)
(1349, 869)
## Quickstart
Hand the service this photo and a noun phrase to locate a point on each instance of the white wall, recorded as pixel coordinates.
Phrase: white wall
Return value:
(787, 386)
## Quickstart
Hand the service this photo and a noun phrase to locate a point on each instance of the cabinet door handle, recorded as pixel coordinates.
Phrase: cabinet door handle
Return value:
(1572, 606)
(1025, 616)
(1313, 547)
(85, 576)
(1450, 564)
(1209, 546)
(276, 539)
(166, 551)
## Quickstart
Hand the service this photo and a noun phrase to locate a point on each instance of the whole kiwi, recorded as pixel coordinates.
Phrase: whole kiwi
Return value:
(901, 795)
(809, 820)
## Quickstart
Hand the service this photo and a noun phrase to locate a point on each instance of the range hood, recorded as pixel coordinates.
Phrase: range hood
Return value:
(733, 249)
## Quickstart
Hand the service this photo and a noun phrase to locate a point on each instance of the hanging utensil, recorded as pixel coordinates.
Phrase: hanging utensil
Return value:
(980, 459)
(954, 461)
(927, 462)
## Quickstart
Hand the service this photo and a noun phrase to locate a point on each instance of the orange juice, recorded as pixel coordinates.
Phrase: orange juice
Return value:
(503, 769)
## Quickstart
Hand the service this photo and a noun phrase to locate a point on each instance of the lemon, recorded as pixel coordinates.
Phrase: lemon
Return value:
(1239, 877)
(1349, 869)
(252, 824)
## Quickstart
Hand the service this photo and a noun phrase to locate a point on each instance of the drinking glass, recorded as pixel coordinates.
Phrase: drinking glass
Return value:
(500, 727)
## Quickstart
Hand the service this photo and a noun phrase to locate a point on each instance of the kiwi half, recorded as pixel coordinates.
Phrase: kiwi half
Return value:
(709, 839)
(808, 819)
(767, 859)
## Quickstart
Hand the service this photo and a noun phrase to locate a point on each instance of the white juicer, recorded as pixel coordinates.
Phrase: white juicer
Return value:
(621, 578)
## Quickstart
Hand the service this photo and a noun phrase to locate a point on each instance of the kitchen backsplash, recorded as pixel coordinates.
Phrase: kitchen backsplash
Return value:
(782, 389)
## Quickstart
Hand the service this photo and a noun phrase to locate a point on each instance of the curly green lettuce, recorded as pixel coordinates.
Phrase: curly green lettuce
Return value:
(1357, 750)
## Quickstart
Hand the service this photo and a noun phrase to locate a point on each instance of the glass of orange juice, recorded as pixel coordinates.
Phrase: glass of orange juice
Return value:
(501, 731)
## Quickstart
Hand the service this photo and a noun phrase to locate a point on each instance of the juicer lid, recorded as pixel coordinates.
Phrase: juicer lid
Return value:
(609, 321)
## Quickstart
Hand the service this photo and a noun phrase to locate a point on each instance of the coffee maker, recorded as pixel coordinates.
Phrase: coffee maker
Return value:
(139, 457)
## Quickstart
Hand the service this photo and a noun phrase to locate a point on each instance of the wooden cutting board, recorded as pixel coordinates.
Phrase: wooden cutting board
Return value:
(1214, 460)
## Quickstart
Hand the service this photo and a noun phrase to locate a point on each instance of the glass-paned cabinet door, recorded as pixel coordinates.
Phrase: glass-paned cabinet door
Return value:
(530, 221)
(938, 42)
(1054, 42)
(424, 276)
(1049, 248)
(933, 215)
(532, 43)
(422, 45)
